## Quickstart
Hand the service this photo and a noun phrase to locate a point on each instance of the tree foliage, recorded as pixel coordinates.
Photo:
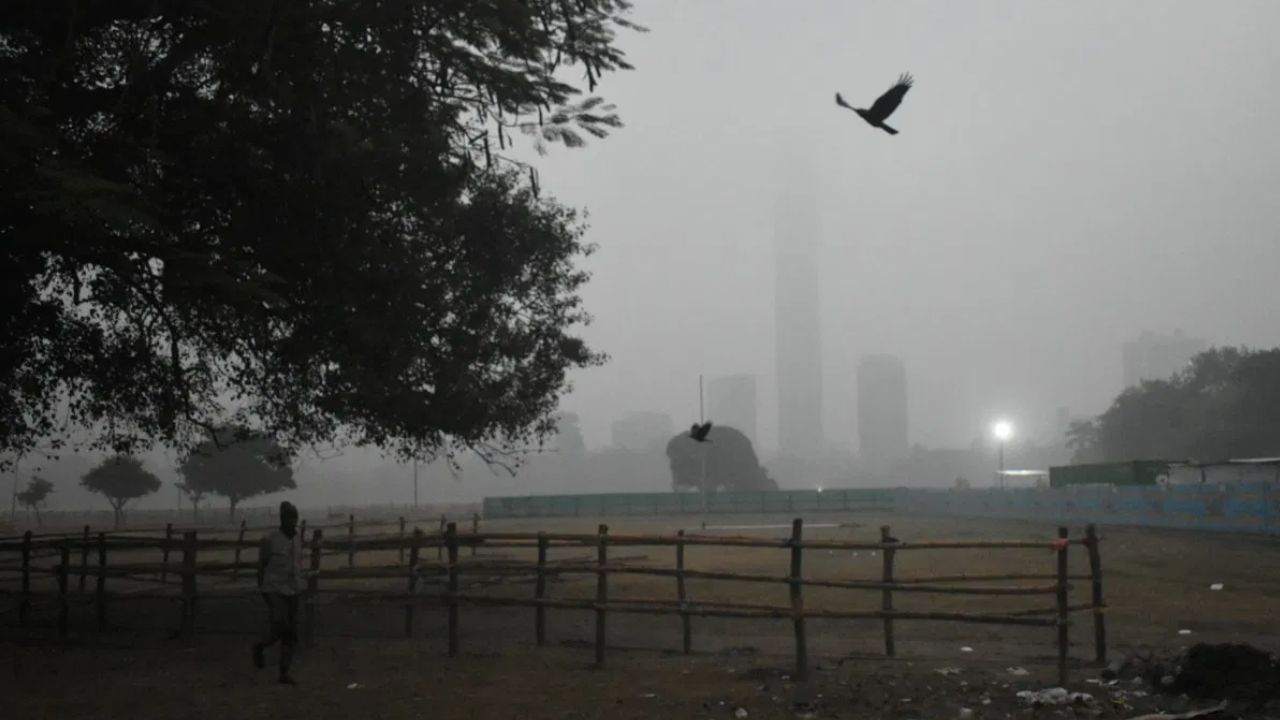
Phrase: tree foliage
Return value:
(120, 479)
(237, 463)
(1225, 405)
(34, 495)
(305, 207)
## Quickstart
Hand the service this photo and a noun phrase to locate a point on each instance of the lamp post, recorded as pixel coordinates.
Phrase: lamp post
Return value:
(1002, 430)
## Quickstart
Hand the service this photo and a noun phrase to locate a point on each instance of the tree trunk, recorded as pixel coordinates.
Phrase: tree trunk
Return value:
(39, 522)
(233, 502)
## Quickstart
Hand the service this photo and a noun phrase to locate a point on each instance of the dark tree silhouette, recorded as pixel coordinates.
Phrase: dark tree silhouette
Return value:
(195, 495)
(304, 205)
(731, 462)
(120, 479)
(34, 495)
(884, 105)
(237, 464)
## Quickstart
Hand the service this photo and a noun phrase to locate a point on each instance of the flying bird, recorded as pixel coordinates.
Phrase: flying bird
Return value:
(884, 105)
(700, 432)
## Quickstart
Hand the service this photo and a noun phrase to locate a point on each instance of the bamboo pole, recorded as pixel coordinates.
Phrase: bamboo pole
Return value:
(244, 525)
(602, 593)
(451, 540)
(886, 598)
(1095, 572)
(164, 553)
(313, 587)
(64, 608)
(100, 593)
(797, 599)
(686, 629)
(1063, 617)
(24, 604)
(540, 593)
(413, 578)
(189, 550)
(84, 559)
(351, 536)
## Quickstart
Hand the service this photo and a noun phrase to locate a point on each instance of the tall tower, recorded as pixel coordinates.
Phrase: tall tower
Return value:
(882, 411)
(798, 326)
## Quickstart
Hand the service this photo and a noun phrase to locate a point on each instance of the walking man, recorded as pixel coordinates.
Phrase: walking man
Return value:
(280, 582)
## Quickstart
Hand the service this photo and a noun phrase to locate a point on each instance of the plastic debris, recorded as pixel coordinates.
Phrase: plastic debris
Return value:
(1184, 631)
(948, 671)
(649, 696)
(354, 686)
(740, 713)
(1018, 671)
(1216, 586)
(966, 649)
(966, 714)
(1054, 696)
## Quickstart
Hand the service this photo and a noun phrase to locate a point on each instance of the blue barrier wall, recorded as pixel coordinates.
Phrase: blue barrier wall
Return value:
(1253, 508)
(777, 501)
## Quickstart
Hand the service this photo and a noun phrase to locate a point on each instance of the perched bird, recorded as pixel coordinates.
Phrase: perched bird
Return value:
(700, 432)
(884, 105)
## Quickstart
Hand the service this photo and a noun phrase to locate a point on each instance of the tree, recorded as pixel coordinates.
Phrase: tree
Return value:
(1223, 406)
(731, 462)
(34, 495)
(195, 495)
(306, 206)
(237, 463)
(120, 479)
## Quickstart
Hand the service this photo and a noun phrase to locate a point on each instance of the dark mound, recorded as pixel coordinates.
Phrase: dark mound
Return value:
(1228, 672)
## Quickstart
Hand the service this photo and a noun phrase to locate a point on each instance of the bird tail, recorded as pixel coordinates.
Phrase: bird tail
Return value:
(888, 129)
(840, 101)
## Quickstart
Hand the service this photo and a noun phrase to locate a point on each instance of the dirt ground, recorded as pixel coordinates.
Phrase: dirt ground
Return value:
(1157, 583)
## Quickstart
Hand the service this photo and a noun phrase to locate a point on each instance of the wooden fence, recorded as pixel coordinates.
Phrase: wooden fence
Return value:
(411, 568)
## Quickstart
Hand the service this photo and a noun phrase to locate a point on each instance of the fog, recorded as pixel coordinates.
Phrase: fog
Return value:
(1068, 175)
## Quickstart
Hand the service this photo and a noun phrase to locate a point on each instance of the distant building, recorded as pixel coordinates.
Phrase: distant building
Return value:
(882, 411)
(1158, 357)
(642, 431)
(797, 327)
(731, 400)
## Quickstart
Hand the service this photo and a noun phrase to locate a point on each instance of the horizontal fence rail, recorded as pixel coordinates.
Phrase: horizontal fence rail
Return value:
(191, 569)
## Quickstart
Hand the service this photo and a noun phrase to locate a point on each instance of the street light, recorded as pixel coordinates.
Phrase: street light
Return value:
(1002, 430)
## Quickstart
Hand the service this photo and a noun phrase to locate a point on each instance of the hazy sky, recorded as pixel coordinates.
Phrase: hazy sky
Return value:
(1067, 175)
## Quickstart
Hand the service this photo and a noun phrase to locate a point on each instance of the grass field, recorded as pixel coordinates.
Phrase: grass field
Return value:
(1156, 583)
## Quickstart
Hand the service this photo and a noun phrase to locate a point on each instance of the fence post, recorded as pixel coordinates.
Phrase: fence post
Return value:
(84, 559)
(313, 585)
(302, 528)
(1099, 614)
(351, 538)
(602, 590)
(440, 548)
(24, 604)
(685, 627)
(164, 554)
(1063, 617)
(64, 608)
(797, 599)
(475, 532)
(189, 581)
(244, 525)
(402, 539)
(413, 577)
(451, 539)
(100, 593)
(886, 597)
(540, 592)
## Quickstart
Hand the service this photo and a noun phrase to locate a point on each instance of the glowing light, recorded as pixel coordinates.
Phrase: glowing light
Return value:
(1002, 430)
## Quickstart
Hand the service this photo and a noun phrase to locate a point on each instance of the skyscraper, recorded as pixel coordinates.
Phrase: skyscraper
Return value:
(642, 431)
(882, 410)
(731, 401)
(798, 327)
(1158, 357)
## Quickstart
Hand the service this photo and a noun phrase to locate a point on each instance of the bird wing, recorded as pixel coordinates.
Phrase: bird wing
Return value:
(888, 102)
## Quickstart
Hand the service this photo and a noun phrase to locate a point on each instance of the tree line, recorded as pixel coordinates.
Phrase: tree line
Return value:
(1225, 404)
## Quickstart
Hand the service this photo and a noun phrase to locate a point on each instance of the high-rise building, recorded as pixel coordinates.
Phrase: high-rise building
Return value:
(798, 331)
(1155, 356)
(731, 401)
(882, 410)
(642, 431)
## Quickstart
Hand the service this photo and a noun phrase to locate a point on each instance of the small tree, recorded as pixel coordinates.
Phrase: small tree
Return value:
(195, 495)
(120, 479)
(237, 463)
(35, 494)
